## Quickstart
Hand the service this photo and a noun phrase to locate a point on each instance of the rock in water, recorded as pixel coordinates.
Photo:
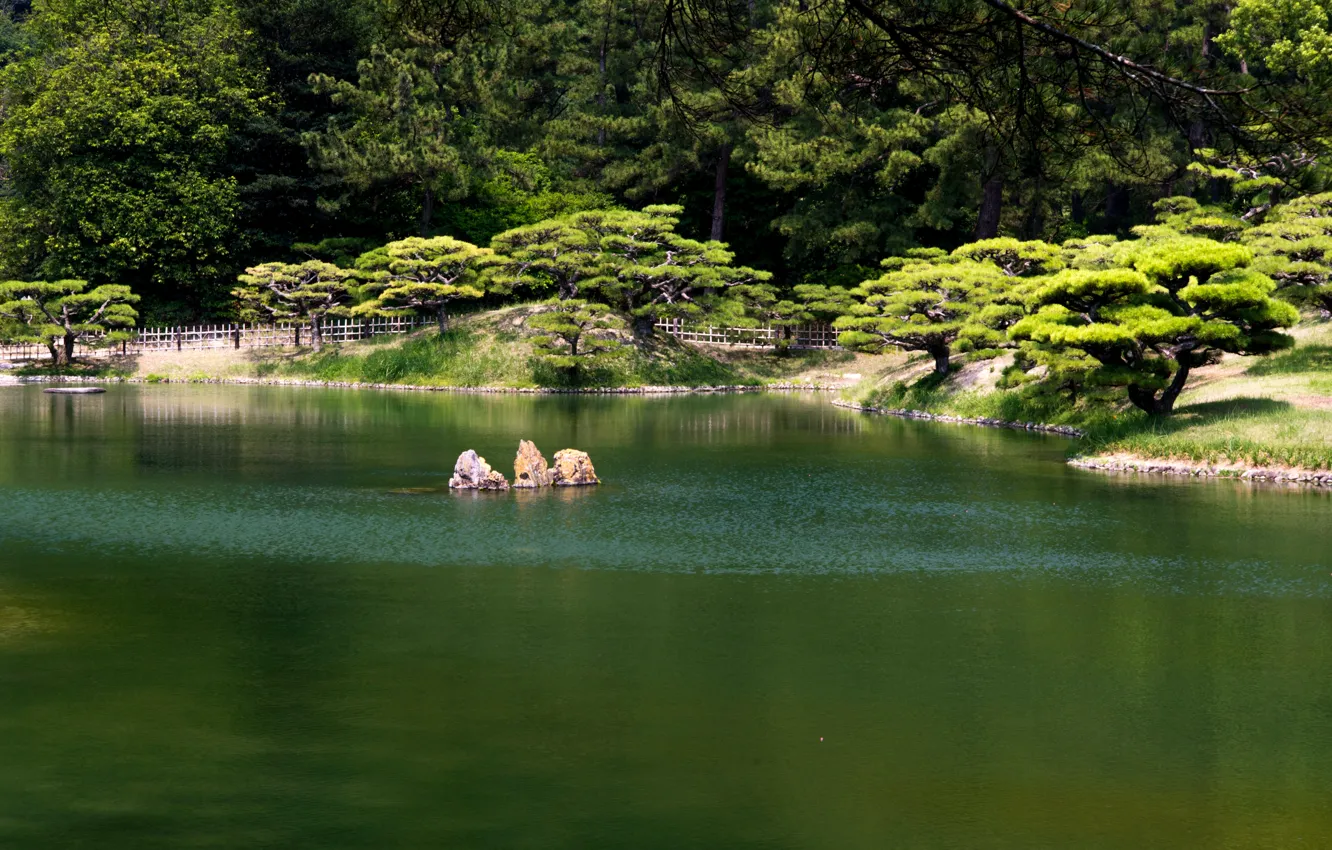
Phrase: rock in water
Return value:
(572, 469)
(529, 467)
(471, 472)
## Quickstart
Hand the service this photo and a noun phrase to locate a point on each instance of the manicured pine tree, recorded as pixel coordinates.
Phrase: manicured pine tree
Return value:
(422, 275)
(58, 314)
(312, 291)
(808, 303)
(634, 262)
(1294, 248)
(921, 304)
(1181, 304)
(575, 334)
(553, 254)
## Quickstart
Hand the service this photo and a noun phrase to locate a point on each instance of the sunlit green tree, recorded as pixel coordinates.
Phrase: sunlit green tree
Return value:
(59, 313)
(422, 275)
(309, 291)
(1179, 304)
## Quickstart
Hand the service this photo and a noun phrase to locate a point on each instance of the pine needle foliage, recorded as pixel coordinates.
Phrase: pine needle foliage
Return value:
(922, 305)
(422, 275)
(309, 291)
(59, 313)
(1176, 304)
(635, 263)
(575, 334)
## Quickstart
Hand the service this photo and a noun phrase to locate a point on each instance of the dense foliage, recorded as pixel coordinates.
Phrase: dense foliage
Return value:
(167, 145)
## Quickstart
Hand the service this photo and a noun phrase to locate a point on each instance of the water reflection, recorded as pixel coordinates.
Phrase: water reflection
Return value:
(777, 624)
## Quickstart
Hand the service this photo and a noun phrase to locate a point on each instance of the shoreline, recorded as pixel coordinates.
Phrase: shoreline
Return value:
(905, 413)
(21, 380)
(1136, 465)
(1124, 464)
(1113, 464)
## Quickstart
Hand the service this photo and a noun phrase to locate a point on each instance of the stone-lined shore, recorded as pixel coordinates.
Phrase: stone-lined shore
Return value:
(1131, 465)
(1062, 430)
(1117, 464)
(358, 385)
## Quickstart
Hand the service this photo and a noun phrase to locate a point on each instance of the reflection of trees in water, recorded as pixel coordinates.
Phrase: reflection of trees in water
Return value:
(19, 620)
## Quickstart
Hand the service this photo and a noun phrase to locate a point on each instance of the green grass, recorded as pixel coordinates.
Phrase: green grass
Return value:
(1264, 416)
(468, 357)
(77, 369)
(458, 358)
(1250, 431)
(1308, 358)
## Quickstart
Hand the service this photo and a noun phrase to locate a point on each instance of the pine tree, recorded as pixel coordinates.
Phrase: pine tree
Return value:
(634, 262)
(1180, 303)
(575, 334)
(921, 304)
(313, 291)
(1294, 247)
(422, 275)
(402, 124)
(58, 314)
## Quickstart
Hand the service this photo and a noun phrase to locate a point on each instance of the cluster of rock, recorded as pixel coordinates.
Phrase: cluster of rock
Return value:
(1314, 477)
(572, 468)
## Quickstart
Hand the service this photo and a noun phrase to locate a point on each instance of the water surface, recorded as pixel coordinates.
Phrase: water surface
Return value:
(223, 623)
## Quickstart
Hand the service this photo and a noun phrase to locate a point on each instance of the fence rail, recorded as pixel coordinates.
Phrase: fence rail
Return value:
(797, 336)
(204, 337)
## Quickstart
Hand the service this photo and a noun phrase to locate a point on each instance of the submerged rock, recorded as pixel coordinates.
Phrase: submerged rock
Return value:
(529, 467)
(471, 472)
(572, 469)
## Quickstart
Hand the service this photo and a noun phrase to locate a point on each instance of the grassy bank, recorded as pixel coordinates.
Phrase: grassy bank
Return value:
(490, 349)
(1254, 411)
(493, 350)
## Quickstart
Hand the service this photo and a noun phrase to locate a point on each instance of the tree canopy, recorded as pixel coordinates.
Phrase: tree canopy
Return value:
(168, 145)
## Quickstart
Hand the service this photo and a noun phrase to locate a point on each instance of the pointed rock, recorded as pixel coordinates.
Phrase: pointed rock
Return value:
(573, 469)
(529, 467)
(471, 472)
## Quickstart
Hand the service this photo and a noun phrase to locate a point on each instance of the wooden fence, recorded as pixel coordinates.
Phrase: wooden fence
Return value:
(798, 336)
(204, 337)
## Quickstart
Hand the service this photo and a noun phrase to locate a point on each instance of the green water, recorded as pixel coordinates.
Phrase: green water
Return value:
(778, 625)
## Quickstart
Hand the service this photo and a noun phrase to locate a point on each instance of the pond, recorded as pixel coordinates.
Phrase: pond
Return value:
(244, 617)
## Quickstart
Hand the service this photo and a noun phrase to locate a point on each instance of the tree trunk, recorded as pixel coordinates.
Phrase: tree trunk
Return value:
(442, 319)
(573, 346)
(1116, 208)
(55, 352)
(68, 353)
(992, 204)
(427, 211)
(719, 194)
(940, 360)
(601, 90)
(643, 327)
(1163, 405)
(1077, 211)
(316, 333)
